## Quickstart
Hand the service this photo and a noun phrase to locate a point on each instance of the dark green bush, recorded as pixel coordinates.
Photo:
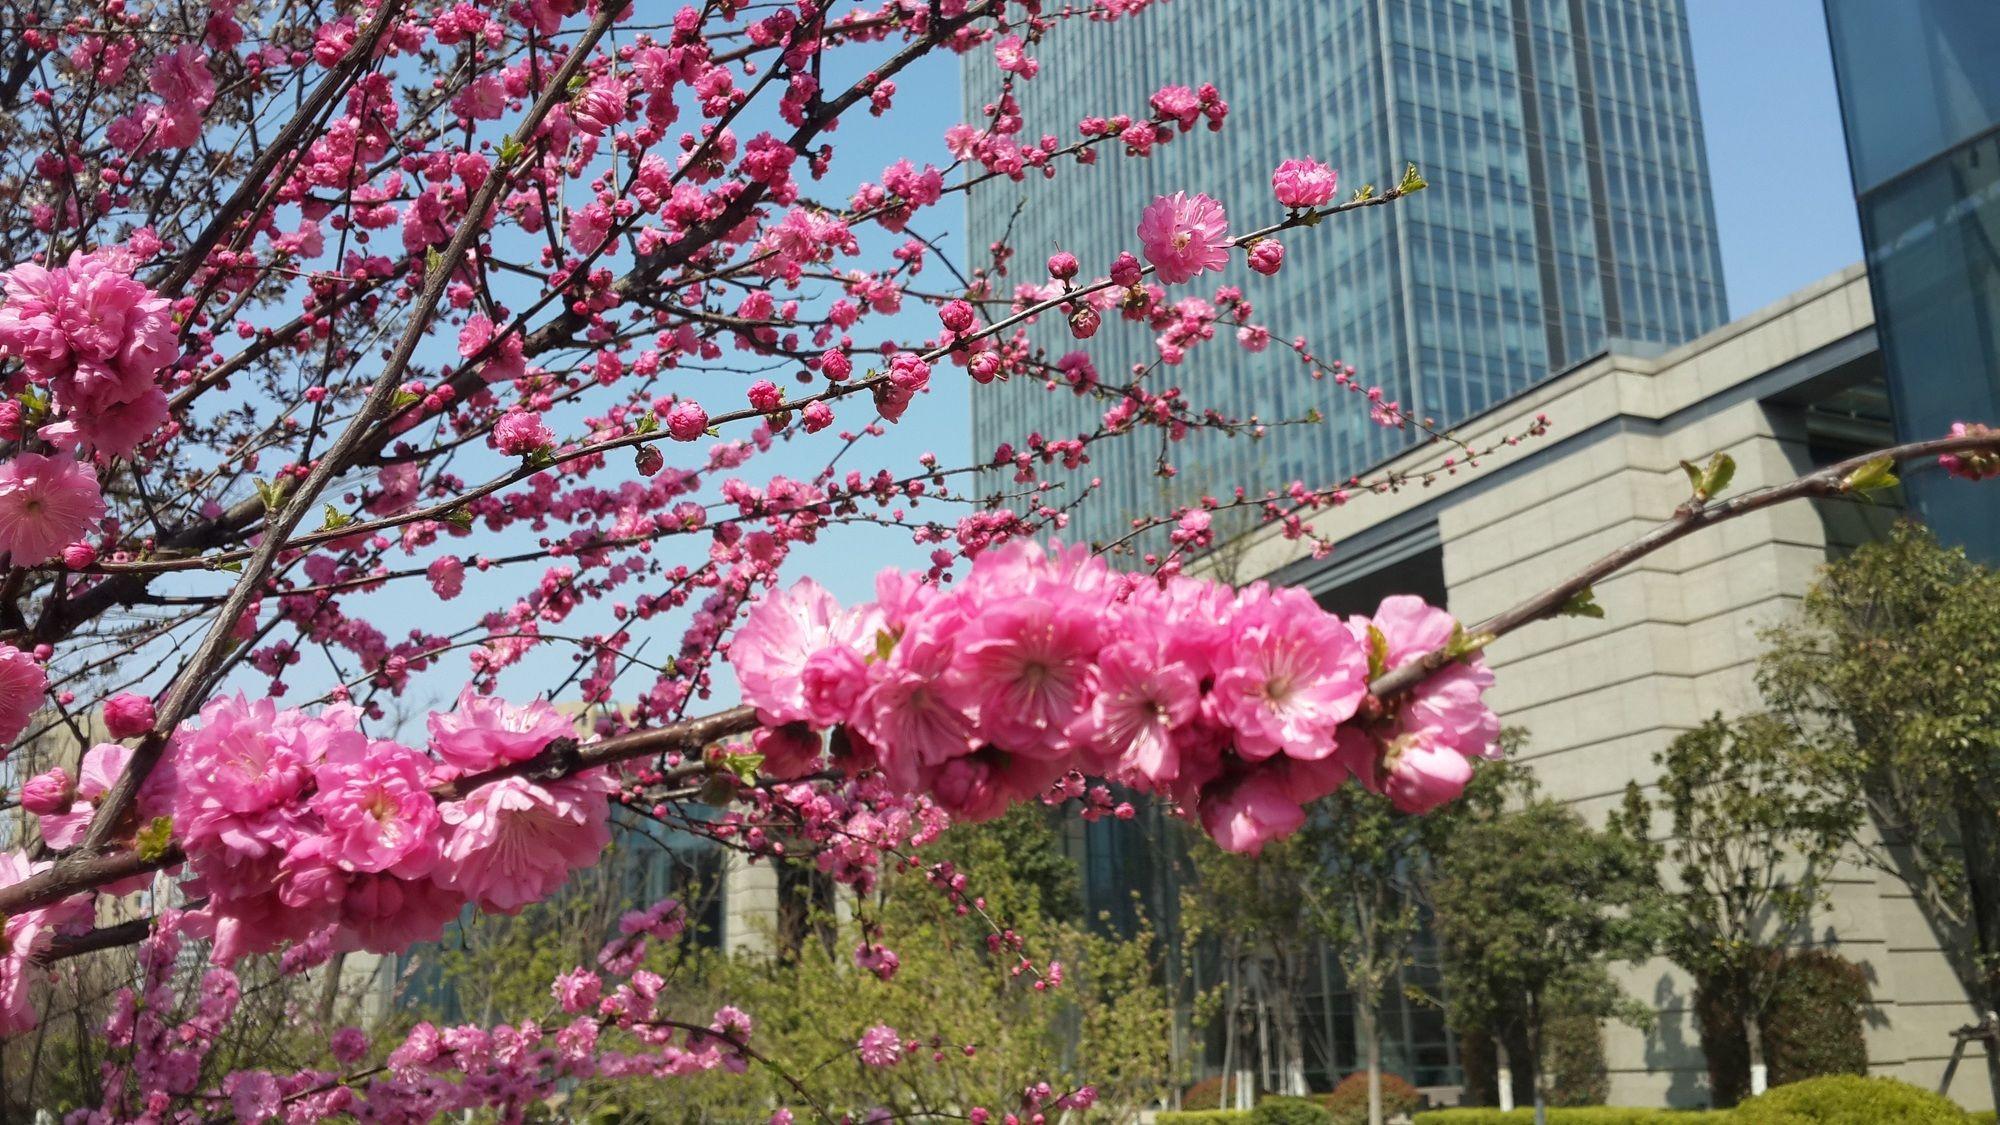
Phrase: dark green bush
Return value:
(1348, 1104)
(1851, 1099)
(1814, 1026)
(1288, 1111)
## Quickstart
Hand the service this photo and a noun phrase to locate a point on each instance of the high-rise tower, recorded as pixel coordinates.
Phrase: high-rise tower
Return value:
(1569, 208)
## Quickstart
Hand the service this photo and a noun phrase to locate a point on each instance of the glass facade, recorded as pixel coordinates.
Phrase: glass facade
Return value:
(1569, 208)
(1920, 98)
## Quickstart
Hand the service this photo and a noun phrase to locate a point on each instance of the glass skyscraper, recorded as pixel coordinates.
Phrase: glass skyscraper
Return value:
(1919, 88)
(1568, 212)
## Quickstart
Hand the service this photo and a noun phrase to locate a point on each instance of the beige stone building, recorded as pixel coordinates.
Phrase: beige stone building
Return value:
(1789, 387)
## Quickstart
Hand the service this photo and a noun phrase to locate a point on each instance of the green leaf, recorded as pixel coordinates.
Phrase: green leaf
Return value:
(1464, 644)
(1413, 181)
(648, 423)
(1378, 653)
(335, 519)
(273, 495)
(744, 766)
(1582, 604)
(234, 566)
(1710, 480)
(1874, 476)
(433, 260)
(156, 838)
(460, 518)
(510, 150)
(1721, 469)
(1365, 191)
(539, 459)
(405, 398)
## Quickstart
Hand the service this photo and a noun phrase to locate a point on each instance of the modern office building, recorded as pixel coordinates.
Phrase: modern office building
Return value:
(1783, 390)
(1920, 97)
(1569, 213)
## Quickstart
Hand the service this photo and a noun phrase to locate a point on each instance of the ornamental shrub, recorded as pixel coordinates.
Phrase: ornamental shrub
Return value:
(1204, 1117)
(1851, 1099)
(1348, 1103)
(1207, 1094)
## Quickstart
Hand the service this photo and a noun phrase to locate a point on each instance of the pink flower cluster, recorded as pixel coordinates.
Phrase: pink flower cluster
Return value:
(1242, 705)
(24, 936)
(300, 826)
(1977, 465)
(98, 340)
(23, 684)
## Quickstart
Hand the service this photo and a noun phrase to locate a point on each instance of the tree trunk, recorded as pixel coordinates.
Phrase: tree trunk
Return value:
(1753, 1040)
(1371, 1042)
(1503, 1072)
(1232, 1009)
(329, 994)
(1292, 1029)
(1540, 1075)
(1982, 885)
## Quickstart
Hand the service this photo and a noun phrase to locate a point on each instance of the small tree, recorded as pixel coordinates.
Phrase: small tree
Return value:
(1750, 848)
(1888, 677)
(1529, 902)
(1255, 908)
(1362, 895)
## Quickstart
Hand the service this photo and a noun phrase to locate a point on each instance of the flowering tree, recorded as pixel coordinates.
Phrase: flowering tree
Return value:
(310, 303)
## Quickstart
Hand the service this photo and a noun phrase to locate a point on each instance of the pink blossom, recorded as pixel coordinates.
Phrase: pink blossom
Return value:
(1184, 236)
(46, 503)
(1448, 707)
(1293, 674)
(484, 731)
(1266, 256)
(1249, 813)
(519, 433)
(376, 810)
(127, 715)
(48, 792)
(349, 1045)
(1976, 464)
(447, 576)
(577, 990)
(513, 841)
(600, 105)
(386, 913)
(687, 421)
(880, 1046)
(1027, 665)
(1300, 183)
(101, 767)
(23, 686)
(1418, 775)
(782, 633)
(1142, 697)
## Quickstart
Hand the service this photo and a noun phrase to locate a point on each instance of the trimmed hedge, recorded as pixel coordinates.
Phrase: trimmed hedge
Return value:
(1577, 1115)
(1851, 1099)
(1289, 1111)
(1841, 1099)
